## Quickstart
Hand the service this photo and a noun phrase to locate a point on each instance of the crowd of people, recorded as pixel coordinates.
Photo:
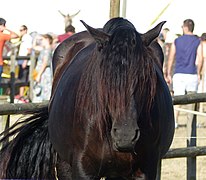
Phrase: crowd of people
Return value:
(43, 46)
(184, 60)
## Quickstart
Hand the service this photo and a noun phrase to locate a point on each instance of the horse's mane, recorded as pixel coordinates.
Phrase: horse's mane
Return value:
(122, 70)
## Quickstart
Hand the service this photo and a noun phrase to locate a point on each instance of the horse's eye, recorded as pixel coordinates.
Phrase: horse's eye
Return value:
(133, 42)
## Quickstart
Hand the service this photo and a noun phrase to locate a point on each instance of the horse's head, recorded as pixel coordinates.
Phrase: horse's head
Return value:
(126, 79)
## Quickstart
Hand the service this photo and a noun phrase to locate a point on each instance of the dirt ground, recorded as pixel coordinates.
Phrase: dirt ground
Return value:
(176, 169)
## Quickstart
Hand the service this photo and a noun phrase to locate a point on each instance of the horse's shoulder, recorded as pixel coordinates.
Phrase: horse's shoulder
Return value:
(164, 108)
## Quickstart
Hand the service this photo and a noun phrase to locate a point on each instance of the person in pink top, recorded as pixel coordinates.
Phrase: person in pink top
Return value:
(3, 38)
(69, 30)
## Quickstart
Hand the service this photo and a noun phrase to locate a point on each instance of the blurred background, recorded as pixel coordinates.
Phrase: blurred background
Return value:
(43, 16)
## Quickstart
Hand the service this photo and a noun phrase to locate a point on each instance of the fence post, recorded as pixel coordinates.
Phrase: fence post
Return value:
(12, 78)
(114, 8)
(3, 118)
(12, 87)
(31, 79)
(12, 84)
(158, 176)
(191, 141)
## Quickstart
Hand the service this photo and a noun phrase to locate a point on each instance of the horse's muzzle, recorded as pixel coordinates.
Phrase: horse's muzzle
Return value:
(124, 141)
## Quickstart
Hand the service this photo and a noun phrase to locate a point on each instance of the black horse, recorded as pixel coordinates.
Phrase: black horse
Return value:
(110, 114)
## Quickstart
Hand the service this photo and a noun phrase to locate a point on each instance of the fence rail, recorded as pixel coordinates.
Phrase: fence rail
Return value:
(11, 109)
(189, 98)
(190, 152)
(186, 152)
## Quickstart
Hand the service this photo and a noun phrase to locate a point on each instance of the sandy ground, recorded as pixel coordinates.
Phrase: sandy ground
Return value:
(175, 169)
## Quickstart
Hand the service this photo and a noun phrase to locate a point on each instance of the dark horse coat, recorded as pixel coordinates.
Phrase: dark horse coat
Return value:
(110, 114)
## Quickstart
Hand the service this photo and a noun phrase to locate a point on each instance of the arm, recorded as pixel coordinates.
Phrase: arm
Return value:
(170, 63)
(199, 60)
(13, 34)
(24, 65)
(42, 69)
(28, 44)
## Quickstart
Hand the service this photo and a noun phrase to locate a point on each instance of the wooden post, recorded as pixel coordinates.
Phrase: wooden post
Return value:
(158, 176)
(12, 88)
(191, 141)
(114, 8)
(124, 8)
(31, 79)
(12, 78)
(3, 118)
(12, 84)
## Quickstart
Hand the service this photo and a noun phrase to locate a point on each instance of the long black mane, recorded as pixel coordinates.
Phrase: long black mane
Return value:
(122, 69)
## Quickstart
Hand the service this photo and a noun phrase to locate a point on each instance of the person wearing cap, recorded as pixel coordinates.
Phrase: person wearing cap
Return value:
(43, 71)
(3, 38)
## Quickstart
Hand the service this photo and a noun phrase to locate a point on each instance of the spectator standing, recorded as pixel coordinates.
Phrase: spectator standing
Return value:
(3, 38)
(202, 85)
(24, 50)
(43, 78)
(165, 40)
(187, 51)
(69, 30)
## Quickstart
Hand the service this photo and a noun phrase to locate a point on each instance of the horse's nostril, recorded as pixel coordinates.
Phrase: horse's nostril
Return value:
(114, 130)
(136, 136)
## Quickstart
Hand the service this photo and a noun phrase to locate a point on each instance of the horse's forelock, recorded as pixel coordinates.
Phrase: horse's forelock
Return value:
(123, 68)
(115, 23)
(127, 68)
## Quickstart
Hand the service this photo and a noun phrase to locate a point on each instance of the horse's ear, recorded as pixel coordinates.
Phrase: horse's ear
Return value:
(152, 34)
(99, 36)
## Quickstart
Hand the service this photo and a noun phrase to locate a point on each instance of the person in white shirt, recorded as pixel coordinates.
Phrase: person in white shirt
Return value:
(24, 50)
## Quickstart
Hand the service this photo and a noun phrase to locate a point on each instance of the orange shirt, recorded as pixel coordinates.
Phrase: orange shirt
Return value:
(3, 39)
